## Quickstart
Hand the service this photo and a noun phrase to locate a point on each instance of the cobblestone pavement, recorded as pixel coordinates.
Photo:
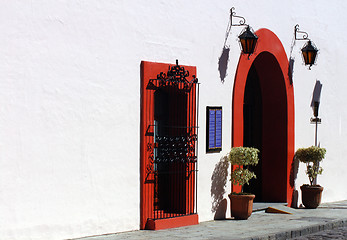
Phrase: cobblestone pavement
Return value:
(339, 233)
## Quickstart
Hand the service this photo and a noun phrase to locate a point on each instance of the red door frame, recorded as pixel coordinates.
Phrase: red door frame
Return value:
(150, 70)
(268, 43)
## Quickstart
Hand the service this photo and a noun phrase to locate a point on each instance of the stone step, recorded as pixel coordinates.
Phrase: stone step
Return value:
(262, 206)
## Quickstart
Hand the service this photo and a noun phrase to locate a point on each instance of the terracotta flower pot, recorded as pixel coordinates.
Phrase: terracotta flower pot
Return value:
(241, 206)
(311, 195)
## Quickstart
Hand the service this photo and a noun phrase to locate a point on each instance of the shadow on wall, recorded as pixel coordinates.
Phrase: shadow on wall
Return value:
(293, 175)
(223, 63)
(218, 183)
(291, 69)
(291, 62)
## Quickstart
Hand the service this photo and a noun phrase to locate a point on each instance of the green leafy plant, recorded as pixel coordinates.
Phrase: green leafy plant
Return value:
(242, 157)
(311, 156)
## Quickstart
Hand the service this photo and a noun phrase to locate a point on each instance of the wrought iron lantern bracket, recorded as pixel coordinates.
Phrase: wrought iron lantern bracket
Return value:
(242, 20)
(247, 38)
(304, 34)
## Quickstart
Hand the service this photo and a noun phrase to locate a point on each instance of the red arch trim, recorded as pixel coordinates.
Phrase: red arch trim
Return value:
(268, 42)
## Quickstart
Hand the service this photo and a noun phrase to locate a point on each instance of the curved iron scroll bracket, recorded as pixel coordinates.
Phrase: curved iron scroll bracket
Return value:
(242, 20)
(303, 37)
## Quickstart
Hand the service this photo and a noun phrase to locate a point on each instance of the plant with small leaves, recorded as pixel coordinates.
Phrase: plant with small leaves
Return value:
(311, 156)
(241, 157)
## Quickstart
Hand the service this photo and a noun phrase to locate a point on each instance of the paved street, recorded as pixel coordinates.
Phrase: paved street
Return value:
(328, 221)
(339, 233)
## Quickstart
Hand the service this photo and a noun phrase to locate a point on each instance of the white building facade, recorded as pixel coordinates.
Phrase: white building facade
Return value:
(71, 102)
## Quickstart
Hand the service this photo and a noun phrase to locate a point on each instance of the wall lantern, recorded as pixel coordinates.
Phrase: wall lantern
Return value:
(309, 51)
(248, 39)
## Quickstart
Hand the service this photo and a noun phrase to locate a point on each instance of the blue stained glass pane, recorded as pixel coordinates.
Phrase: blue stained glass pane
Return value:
(218, 128)
(211, 134)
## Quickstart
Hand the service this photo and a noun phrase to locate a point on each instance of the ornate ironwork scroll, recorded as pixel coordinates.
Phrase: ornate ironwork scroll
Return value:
(175, 75)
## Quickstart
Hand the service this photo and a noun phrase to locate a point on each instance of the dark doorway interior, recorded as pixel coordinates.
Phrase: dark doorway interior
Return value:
(265, 128)
(170, 116)
(252, 115)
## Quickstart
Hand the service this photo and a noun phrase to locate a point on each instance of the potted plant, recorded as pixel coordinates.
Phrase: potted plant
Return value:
(241, 204)
(311, 194)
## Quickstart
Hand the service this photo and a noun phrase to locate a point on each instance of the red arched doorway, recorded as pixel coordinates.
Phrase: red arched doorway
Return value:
(263, 117)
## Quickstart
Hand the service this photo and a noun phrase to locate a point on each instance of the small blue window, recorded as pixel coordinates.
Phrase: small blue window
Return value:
(214, 129)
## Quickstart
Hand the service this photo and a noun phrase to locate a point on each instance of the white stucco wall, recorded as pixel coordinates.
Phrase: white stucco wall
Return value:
(70, 101)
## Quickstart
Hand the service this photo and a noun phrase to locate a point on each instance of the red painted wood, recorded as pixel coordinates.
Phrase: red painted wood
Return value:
(172, 222)
(149, 70)
(271, 50)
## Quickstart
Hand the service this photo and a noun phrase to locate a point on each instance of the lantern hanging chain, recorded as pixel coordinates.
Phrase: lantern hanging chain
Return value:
(242, 22)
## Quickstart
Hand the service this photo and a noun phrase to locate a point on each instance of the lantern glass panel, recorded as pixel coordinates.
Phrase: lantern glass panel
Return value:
(243, 45)
(305, 55)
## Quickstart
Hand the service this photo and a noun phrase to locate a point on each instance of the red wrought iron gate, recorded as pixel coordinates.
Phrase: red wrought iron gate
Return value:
(169, 103)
